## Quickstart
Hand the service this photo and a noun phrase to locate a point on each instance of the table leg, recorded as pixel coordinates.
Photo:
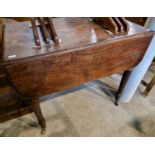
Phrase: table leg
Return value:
(37, 110)
(34, 103)
(121, 86)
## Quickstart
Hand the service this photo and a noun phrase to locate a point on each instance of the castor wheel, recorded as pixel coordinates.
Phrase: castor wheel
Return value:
(43, 127)
(116, 103)
(43, 130)
(116, 99)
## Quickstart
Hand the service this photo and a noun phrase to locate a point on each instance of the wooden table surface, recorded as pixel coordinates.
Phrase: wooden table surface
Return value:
(86, 52)
(73, 32)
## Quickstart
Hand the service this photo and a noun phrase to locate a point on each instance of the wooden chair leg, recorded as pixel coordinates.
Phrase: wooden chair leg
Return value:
(121, 86)
(37, 110)
(149, 87)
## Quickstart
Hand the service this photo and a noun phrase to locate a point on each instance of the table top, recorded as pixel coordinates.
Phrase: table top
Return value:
(73, 33)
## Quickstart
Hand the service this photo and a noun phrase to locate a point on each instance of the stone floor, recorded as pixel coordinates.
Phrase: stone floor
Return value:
(88, 110)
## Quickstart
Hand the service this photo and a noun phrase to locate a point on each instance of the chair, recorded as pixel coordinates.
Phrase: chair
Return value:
(149, 85)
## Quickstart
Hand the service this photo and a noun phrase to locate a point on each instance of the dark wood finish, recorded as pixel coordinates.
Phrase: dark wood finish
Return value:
(54, 72)
(1, 39)
(10, 107)
(11, 111)
(47, 28)
(35, 32)
(37, 110)
(119, 25)
(44, 30)
(52, 31)
(124, 23)
(87, 52)
(114, 24)
(108, 23)
(137, 20)
(124, 79)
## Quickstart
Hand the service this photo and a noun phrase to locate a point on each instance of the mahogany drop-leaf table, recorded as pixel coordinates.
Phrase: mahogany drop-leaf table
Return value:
(86, 52)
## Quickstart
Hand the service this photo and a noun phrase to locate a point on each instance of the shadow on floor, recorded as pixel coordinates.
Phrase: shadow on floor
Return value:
(16, 127)
(22, 126)
(101, 90)
(145, 125)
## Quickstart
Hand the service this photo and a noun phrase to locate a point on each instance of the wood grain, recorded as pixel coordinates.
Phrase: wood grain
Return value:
(65, 68)
(86, 52)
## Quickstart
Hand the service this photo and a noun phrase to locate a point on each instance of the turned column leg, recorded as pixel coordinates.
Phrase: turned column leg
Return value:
(37, 110)
(121, 86)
